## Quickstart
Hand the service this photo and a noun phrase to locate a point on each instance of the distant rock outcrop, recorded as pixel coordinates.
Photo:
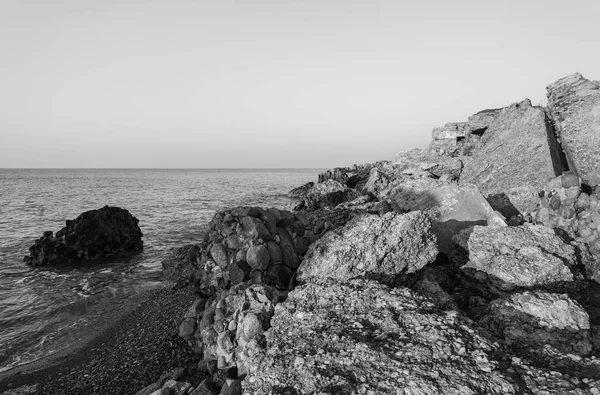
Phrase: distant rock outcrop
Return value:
(92, 236)
(574, 104)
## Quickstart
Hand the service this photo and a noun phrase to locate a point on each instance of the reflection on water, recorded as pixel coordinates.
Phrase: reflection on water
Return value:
(38, 307)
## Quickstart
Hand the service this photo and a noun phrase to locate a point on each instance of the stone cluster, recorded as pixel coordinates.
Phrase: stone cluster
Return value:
(92, 236)
(563, 205)
(252, 243)
(230, 328)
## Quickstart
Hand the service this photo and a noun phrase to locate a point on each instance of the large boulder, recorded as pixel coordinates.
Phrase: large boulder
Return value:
(362, 337)
(574, 104)
(519, 256)
(539, 318)
(372, 246)
(517, 150)
(93, 236)
(450, 206)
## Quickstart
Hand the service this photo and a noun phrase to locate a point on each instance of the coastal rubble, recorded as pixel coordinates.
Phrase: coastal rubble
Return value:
(457, 269)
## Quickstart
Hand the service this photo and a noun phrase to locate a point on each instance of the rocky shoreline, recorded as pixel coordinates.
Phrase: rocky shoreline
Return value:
(139, 345)
(469, 267)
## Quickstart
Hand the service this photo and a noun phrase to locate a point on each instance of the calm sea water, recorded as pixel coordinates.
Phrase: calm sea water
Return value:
(38, 307)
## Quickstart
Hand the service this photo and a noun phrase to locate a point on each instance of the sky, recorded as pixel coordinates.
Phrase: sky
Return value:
(269, 84)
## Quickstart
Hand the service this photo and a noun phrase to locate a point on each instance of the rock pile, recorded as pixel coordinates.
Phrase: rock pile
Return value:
(94, 235)
(264, 245)
(564, 206)
(231, 326)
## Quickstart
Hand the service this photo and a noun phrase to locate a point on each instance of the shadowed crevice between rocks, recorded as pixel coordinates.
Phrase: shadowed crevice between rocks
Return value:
(559, 151)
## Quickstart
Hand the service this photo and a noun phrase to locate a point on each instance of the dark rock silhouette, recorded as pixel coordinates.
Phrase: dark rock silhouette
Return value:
(93, 236)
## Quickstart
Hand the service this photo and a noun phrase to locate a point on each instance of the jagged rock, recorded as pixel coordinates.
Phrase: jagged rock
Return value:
(206, 387)
(94, 235)
(362, 337)
(481, 121)
(425, 161)
(450, 206)
(521, 256)
(372, 246)
(574, 104)
(232, 387)
(518, 150)
(301, 191)
(450, 131)
(329, 193)
(538, 318)
(231, 327)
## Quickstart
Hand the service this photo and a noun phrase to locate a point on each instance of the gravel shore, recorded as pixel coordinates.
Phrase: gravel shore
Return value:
(123, 358)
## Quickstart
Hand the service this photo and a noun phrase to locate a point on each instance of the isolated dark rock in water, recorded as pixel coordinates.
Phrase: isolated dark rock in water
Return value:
(362, 337)
(574, 105)
(517, 150)
(372, 246)
(519, 257)
(92, 236)
(539, 318)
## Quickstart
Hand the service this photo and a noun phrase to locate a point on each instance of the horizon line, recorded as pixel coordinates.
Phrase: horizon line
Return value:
(165, 168)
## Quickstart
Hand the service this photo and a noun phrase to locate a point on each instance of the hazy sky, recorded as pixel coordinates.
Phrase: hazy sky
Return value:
(275, 83)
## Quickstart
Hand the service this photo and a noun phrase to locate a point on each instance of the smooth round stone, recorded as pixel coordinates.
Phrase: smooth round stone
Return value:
(251, 327)
(583, 201)
(573, 192)
(555, 202)
(258, 257)
(569, 180)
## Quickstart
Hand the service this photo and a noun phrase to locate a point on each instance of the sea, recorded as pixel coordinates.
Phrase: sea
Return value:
(41, 307)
